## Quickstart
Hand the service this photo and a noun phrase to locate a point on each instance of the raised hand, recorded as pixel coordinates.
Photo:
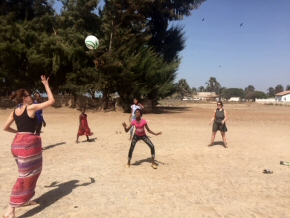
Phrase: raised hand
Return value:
(44, 80)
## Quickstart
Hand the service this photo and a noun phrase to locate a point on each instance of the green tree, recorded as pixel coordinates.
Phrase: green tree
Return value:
(222, 92)
(73, 62)
(212, 85)
(166, 39)
(24, 26)
(26, 10)
(279, 88)
(132, 67)
(138, 53)
(256, 94)
(271, 92)
(201, 89)
(233, 92)
(249, 88)
(194, 90)
(287, 88)
(183, 88)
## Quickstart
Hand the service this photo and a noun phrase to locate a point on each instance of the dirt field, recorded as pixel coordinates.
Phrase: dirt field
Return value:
(192, 180)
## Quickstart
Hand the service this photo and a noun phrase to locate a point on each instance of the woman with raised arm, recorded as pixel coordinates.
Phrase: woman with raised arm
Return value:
(218, 122)
(26, 146)
(140, 134)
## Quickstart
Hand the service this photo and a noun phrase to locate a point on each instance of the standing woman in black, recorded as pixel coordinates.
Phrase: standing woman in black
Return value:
(26, 147)
(218, 122)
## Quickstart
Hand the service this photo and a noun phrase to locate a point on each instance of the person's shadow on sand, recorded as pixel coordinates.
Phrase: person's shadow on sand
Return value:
(218, 143)
(147, 160)
(52, 196)
(90, 140)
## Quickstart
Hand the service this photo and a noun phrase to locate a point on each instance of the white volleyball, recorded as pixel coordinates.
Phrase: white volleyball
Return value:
(92, 42)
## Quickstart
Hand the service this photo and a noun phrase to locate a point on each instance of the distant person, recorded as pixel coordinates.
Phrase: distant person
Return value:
(26, 146)
(132, 117)
(83, 126)
(140, 134)
(114, 102)
(39, 114)
(218, 122)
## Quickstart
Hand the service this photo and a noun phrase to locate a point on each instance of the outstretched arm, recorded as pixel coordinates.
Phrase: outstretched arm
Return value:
(125, 127)
(141, 105)
(53, 184)
(8, 123)
(149, 130)
(88, 183)
(49, 102)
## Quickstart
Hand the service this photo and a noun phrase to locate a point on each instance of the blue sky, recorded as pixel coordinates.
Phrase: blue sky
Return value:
(256, 53)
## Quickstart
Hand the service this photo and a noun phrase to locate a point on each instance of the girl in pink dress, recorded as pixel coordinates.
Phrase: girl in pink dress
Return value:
(84, 127)
(140, 134)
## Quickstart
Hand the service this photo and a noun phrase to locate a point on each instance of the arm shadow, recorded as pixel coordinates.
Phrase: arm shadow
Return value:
(54, 145)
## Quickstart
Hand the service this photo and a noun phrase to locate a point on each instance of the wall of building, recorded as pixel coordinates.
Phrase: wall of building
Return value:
(283, 98)
(263, 101)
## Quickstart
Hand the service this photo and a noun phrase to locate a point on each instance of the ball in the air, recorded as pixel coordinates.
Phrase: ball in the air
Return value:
(92, 42)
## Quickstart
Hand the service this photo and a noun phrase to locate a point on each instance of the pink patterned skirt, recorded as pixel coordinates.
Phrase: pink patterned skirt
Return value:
(27, 151)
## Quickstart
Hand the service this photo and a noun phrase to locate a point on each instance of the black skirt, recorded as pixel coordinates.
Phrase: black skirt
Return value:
(218, 126)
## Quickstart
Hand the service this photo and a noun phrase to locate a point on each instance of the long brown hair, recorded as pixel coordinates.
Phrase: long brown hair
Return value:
(19, 95)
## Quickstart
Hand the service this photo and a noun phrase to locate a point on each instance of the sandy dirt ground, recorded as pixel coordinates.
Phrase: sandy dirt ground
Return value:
(192, 180)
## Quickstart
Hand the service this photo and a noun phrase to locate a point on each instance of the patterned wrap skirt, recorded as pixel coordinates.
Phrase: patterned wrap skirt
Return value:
(27, 151)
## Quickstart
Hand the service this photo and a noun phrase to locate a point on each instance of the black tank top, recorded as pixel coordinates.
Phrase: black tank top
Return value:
(219, 115)
(25, 123)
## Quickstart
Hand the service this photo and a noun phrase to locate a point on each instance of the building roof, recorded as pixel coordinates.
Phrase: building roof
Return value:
(283, 93)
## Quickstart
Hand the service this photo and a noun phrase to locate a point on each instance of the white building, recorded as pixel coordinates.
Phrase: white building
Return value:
(234, 99)
(205, 95)
(282, 96)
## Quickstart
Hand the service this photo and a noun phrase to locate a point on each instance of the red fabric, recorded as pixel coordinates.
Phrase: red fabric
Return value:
(27, 151)
(84, 127)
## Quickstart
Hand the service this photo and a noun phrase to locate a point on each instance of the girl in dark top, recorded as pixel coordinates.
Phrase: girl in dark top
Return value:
(218, 122)
(26, 147)
(38, 114)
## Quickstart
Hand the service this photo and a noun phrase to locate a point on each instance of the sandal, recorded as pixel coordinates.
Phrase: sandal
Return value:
(285, 163)
(154, 166)
(267, 171)
(30, 203)
(128, 165)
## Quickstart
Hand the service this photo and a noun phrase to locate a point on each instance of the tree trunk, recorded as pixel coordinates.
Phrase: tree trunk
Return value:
(75, 101)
